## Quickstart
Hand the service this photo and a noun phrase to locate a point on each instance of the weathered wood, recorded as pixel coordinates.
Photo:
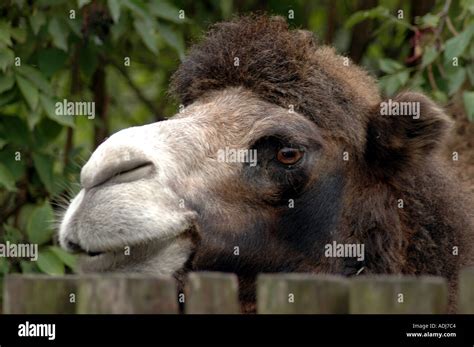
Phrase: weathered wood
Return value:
(126, 293)
(211, 292)
(39, 294)
(466, 291)
(302, 293)
(396, 294)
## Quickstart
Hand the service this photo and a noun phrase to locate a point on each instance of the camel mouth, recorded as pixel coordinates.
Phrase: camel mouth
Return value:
(94, 254)
(169, 254)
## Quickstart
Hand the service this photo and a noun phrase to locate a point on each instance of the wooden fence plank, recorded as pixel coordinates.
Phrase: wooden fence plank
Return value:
(396, 294)
(126, 293)
(302, 293)
(466, 291)
(212, 292)
(39, 294)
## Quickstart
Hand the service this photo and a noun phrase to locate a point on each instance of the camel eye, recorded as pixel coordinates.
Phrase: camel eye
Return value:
(289, 156)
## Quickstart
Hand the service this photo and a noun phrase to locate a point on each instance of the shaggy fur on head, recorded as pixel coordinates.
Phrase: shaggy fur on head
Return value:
(283, 67)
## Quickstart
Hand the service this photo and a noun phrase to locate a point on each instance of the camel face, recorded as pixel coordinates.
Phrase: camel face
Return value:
(209, 180)
(274, 165)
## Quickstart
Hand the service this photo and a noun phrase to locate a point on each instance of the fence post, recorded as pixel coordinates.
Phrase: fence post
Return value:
(301, 293)
(126, 293)
(466, 291)
(39, 294)
(398, 294)
(212, 292)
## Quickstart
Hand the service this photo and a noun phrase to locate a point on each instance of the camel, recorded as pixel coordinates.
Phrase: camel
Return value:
(333, 166)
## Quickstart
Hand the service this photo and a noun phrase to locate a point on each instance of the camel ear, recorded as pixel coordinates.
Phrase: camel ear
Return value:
(404, 131)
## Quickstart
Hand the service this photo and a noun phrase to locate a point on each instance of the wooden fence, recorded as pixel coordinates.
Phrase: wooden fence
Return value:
(213, 292)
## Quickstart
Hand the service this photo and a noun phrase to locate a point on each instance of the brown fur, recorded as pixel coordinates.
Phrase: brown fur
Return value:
(391, 157)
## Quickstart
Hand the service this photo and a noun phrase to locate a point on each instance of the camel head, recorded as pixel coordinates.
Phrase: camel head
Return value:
(282, 147)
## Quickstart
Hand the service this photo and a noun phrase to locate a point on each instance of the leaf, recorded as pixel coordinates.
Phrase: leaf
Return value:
(33, 117)
(16, 168)
(37, 20)
(392, 83)
(19, 34)
(440, 97)
(58, 32)
(114, 9)
(9, 97)
(165, 10)
(147, 33)
(44, 168)
(50, 110)
(28, 266)
(39, 228)
(51, 60)
(456, 45)
(389, 66)
(14, 130)
(455, 80)
(75, 26)
(24, 215)
(46, 133)
(82, 3)
(137, 7)
(173, 38)
(5, 34)
(377, 12)
(46, 3)
(468, 98)
(430, 20)
(28, 90)
(468, 5)
(6, 178)
(6, 82)
(67, 258)
(402, 77)
(6, 58)
(12, 235)
(470, 73)
(4, 266)
(49, 263)
(429, 55)
(36, 77)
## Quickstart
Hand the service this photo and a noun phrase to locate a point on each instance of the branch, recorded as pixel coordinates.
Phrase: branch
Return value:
(137, 90)
(75, 88)
(431, 78)
(442, 15)
(101, 100)
(451, 27)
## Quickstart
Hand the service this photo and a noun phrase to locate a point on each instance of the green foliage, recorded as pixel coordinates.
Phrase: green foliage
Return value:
(52, 50)
(442, 47)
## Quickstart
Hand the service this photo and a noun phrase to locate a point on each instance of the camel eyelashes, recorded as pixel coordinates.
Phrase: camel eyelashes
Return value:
(289, 155)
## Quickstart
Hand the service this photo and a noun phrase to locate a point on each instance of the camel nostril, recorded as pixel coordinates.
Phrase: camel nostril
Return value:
(121, 172)
(125, 174)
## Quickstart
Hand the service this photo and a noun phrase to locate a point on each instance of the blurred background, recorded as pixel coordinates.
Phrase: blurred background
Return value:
(121, 54)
